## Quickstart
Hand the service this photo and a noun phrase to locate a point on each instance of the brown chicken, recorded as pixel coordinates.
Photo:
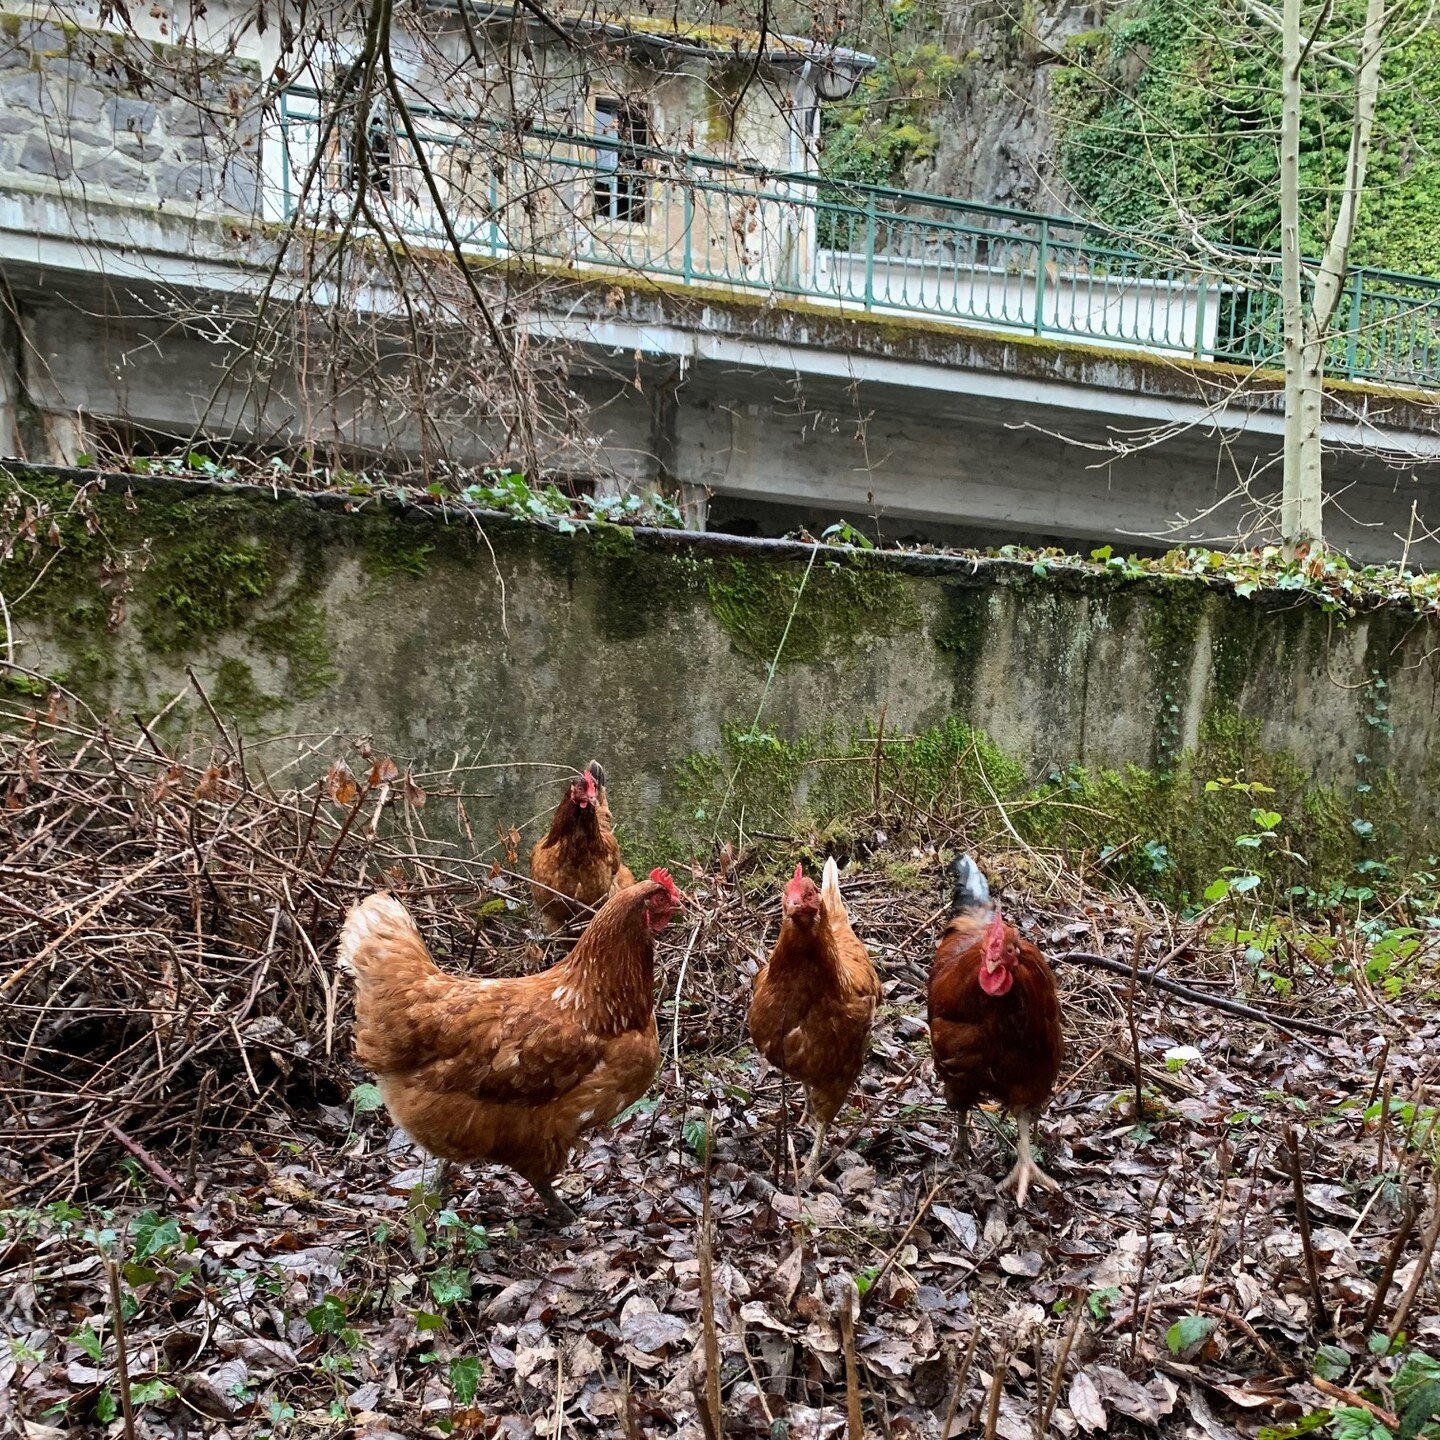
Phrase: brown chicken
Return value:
(577, 865)
(512, 1071)
(994, 1020)
(815, 999)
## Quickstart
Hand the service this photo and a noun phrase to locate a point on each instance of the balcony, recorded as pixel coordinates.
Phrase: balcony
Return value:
(593, 204)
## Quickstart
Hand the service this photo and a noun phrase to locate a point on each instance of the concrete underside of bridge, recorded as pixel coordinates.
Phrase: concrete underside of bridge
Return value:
(765, 416)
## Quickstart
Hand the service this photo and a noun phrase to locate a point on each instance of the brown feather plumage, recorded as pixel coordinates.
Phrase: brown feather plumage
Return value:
(508, 1070)
(814, 1002)
(994, 1021)
(1007, 1047)
(577, 865)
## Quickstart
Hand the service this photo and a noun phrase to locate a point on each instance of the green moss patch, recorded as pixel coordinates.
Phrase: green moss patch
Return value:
(760, 604)
(1172, 834)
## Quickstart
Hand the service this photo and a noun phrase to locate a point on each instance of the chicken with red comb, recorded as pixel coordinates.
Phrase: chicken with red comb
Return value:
(577, 866)
(815, 999)
(510, 1070)
(994, 1020)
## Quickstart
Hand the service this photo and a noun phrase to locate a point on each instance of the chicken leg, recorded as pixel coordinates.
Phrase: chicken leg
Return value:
(441, 1183)
(812, 1165)
(960, 1150)
(553, 1203)
(1026, 1172)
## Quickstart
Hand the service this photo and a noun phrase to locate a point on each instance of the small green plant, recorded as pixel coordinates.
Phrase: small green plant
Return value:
(844, 533)
(1187, 1336)
(329, 1316)
(449, 1285)
(698, 1139)
(513, 494)
(464, 1378)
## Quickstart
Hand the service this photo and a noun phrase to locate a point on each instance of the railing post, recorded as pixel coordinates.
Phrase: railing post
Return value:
(687, 262)
(1202, 288)
(494, 213)
(1352, 342)
(285, 211)
(870, 252)
(1044, 260)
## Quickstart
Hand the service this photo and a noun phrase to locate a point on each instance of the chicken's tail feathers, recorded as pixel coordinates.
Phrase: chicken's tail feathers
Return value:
(379, 935)
(971, 889)
(597, 772)
(830, 888)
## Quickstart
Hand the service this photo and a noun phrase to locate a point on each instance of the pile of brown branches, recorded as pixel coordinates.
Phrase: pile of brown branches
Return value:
(168, 919)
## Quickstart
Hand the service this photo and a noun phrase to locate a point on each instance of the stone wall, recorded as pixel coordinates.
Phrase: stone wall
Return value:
(104, 116)
(455, 638)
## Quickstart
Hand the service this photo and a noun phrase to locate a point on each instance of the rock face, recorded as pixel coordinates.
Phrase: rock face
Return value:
(996, 143)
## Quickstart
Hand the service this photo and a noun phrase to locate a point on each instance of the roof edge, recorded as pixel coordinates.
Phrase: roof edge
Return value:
(709, 40)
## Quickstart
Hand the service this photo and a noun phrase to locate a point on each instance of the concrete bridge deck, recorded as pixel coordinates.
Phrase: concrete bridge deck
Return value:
(765, 411)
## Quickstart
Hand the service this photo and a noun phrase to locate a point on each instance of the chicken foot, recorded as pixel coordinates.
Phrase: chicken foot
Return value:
(812, 1165)
(553, 1203)
(1026, 1172)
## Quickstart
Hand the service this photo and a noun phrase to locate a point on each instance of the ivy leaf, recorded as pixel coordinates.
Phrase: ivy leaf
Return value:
(151, 1392)
(449, 1286)
(152, 1234)
(328, 1317)
(365, 1098)
(86, 1338)
(1331, 1362)
(464, 1378)
(697, 1137)
(1188, 1334)
(1243, 884)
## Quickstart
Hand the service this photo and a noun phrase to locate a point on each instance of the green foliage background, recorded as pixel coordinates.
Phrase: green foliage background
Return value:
(1189, 89)
(892, 117)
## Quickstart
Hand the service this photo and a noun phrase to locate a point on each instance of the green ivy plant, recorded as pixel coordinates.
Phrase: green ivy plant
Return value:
(891, 118)
(1174, 107)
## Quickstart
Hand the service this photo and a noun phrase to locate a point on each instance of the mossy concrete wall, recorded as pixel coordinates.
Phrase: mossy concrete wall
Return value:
(446, 635)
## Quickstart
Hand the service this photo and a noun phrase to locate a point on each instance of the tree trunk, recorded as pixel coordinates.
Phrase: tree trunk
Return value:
(1301, 519)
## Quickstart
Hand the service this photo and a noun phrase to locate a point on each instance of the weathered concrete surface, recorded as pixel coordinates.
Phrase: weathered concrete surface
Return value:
(311, 617)
(775, 415)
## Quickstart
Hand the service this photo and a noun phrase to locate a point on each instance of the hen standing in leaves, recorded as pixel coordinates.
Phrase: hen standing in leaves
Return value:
(994, 1019)
(815, 999)
(577, 865)
(513, 1070)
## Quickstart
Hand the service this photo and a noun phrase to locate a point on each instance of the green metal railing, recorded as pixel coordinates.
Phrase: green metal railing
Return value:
(594, 203)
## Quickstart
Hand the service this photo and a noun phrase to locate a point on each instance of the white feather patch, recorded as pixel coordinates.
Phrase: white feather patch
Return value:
(371, 917)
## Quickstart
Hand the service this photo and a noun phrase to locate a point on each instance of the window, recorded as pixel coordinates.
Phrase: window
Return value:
(620, 182)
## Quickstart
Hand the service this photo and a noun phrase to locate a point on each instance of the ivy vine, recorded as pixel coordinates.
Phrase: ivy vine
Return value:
(1174, 105)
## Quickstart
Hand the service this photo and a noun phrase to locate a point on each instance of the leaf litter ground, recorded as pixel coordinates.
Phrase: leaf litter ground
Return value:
(301, 1279)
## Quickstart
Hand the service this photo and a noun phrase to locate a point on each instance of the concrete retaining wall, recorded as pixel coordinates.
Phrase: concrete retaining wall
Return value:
(450, 634)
